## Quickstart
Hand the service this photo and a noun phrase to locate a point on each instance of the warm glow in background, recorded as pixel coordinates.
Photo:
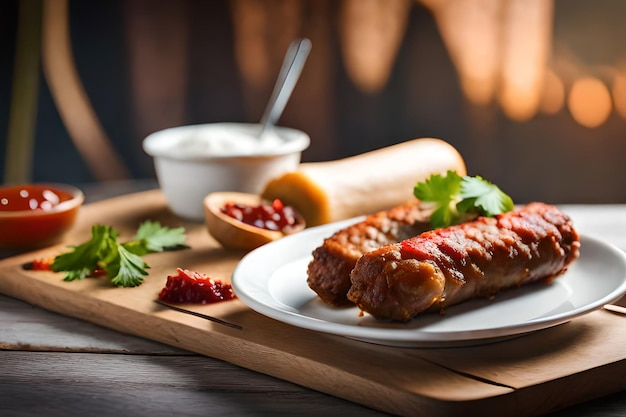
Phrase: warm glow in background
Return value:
(531, 92)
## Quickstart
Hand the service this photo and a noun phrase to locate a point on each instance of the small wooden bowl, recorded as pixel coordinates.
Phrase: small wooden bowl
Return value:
(232, 233)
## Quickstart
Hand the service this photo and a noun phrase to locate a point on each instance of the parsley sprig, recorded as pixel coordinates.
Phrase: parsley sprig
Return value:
(456, 198)
(121, 262)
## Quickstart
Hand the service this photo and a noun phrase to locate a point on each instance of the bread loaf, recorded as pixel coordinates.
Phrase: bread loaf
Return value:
(324, 192)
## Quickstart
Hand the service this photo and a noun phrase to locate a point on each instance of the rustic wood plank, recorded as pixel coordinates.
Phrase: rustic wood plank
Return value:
(56, 384)
(601, 329)
(391, 379)
(326, 363)
(27, 327)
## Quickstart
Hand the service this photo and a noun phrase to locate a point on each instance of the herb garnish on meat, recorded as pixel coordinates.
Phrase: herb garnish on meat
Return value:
(456, 197)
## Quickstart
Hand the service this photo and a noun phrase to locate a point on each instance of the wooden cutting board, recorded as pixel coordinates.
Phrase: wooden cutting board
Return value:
(529, 375)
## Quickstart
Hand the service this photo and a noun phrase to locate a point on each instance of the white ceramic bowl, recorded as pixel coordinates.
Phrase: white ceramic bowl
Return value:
(189, 167)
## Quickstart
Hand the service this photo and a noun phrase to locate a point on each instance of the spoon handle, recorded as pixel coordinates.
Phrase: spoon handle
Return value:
(290, 70)
(615, 308)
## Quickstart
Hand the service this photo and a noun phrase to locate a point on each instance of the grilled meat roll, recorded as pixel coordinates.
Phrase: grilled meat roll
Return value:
(329, 271)
(446, 266)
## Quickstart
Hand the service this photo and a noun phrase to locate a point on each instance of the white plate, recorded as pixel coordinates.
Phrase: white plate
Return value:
(272, 281)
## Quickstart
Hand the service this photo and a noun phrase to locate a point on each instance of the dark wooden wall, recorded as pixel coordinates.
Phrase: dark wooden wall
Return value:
(149, 65)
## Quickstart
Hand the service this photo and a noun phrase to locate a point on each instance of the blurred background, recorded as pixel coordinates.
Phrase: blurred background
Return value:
(531, 92)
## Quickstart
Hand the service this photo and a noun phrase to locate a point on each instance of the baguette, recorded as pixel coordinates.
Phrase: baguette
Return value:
(325, 192)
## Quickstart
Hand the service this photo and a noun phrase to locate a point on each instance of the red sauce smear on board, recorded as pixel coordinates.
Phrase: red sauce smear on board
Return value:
(194, 287)
(275, 217)
(45, 264)
(31, 197)
(42, 264)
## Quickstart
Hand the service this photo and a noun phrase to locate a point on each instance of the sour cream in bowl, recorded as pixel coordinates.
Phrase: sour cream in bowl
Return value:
(193, 161)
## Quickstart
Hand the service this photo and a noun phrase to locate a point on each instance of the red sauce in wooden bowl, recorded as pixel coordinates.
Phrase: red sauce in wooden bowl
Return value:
(276, 217)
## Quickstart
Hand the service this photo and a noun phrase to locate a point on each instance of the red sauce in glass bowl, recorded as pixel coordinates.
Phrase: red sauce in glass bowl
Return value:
(31, 197)
(36, 215)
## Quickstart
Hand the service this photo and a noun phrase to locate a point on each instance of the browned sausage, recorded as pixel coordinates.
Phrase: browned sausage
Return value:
(446, 266)
(329, 270)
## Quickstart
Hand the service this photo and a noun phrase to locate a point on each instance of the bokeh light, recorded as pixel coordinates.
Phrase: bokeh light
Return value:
(589, 102)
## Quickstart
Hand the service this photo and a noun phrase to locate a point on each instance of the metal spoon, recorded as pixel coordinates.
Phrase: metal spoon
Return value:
(290, 70)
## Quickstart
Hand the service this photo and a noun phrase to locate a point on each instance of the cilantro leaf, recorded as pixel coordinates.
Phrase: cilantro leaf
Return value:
(122, 263)
(84, 258)
(439, 188)
(158, 238)
(76, 274)
(443, 192)
(484, 196)
(455, 198)
(126, 269)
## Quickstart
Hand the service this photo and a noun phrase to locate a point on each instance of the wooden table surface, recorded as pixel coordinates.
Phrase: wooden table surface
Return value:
(52, 365)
